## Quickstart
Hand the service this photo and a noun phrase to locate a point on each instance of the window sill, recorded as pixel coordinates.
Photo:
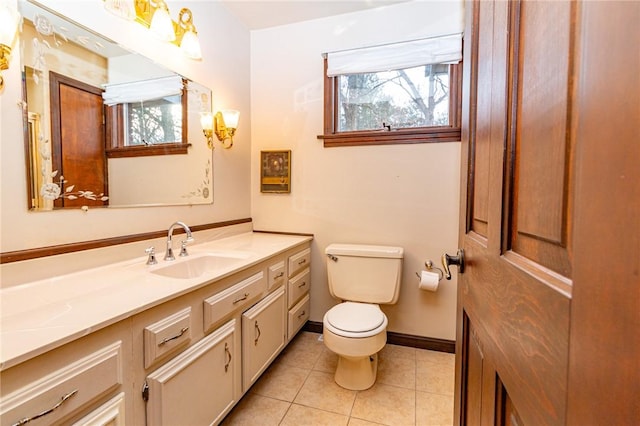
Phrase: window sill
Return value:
(384, 137)
(143, 151)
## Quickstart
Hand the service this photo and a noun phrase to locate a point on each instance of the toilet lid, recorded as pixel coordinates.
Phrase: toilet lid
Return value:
(355, 317)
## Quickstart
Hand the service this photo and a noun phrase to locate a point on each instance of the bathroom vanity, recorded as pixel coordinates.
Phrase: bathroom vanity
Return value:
(174, 343)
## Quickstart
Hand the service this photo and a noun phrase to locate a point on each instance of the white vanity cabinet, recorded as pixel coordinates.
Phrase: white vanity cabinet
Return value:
(182, 360)
(197, 387)
(264, 335)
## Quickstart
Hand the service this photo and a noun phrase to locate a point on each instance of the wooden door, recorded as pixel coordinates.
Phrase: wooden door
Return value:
(529, 162)
(78, 142)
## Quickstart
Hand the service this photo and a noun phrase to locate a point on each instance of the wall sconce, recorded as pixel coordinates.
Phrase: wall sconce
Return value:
(223, 124)
(154, 14)
(9, 20)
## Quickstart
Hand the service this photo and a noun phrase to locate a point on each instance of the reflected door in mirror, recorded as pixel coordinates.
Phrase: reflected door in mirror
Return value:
(78, 141)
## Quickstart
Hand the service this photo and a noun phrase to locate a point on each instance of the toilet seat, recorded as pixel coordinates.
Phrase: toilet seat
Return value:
(352, 319)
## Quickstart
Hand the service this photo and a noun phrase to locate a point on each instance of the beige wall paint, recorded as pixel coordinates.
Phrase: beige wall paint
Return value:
(225, 69)
(404, 195)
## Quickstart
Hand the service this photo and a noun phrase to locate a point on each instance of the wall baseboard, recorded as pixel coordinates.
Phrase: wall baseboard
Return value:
(420, 342)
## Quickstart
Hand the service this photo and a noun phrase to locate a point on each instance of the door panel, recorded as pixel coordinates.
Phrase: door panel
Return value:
(542, 43)
(481, 158)
(513, 294)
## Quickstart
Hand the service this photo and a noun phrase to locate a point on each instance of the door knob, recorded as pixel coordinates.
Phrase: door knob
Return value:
(453, 260)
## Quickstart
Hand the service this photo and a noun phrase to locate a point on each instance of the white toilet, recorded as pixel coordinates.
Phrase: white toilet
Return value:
(363, 276)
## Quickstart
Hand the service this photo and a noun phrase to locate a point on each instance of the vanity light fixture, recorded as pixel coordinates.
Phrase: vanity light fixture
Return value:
(187, 35)
(124, 9)
(9, 19)
(161, 24)
(224, 124)
(154, 14)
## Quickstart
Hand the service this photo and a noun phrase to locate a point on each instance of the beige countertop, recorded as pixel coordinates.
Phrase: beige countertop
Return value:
(38, 316)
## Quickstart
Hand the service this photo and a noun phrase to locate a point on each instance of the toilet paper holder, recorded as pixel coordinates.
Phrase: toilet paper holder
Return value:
(429, 265)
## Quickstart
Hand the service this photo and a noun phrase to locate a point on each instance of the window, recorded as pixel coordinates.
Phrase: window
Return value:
(153, 122)
(409, 104)
(147, 118)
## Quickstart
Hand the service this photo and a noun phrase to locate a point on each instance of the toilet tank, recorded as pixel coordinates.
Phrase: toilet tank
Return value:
(364, 273)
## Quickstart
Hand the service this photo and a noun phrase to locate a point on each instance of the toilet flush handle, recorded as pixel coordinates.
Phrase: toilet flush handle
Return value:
(332, 257)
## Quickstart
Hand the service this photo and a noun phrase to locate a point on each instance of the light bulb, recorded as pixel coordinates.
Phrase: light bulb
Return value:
(161, 24)
(190, 45)
(231, 118)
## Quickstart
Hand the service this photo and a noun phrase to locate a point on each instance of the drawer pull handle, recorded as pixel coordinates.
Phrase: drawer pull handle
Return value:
(227, 352)
(241, 298)
(257, 329)
(50, 410)
(301, 314)
(168, 339)
(280, 275)
(303, 284)
(302, 262)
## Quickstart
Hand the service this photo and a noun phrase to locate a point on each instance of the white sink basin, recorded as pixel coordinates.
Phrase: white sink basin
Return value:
(195, 266)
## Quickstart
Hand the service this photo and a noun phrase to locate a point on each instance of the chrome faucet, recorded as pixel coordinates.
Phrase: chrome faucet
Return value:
(183, 249)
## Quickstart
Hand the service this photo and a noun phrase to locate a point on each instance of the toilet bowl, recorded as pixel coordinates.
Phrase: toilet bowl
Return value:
(363, 276)
(356, 332)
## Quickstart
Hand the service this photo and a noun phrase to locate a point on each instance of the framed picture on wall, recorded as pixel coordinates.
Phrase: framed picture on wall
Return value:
(275, 171)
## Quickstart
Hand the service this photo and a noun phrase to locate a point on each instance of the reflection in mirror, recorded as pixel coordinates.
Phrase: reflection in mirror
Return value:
(87, 148)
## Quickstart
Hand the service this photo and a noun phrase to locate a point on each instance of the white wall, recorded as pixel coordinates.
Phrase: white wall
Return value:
(404, 195)
(225, 69)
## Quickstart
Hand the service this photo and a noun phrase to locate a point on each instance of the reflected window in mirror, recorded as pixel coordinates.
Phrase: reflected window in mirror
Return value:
(145, 125)
(153, 122)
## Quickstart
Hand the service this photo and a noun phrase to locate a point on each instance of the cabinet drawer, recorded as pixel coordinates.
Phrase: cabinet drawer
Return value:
(240, 295)
(276, 275)
(298, 315)
(62, 393)
(166, 336)
(298, 286)
(299, 260)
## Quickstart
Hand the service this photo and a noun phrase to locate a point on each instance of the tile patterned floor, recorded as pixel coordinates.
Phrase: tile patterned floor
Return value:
(414, 387)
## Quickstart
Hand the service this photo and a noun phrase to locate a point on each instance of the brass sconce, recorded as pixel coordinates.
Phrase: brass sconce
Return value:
(9, 19)
(223, 124)
(154, 14)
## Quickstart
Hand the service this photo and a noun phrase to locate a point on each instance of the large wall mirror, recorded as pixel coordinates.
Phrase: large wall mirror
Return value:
(105, 126)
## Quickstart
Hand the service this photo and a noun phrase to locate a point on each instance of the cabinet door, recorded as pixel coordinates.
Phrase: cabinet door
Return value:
(263, 335)
(198, 386)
